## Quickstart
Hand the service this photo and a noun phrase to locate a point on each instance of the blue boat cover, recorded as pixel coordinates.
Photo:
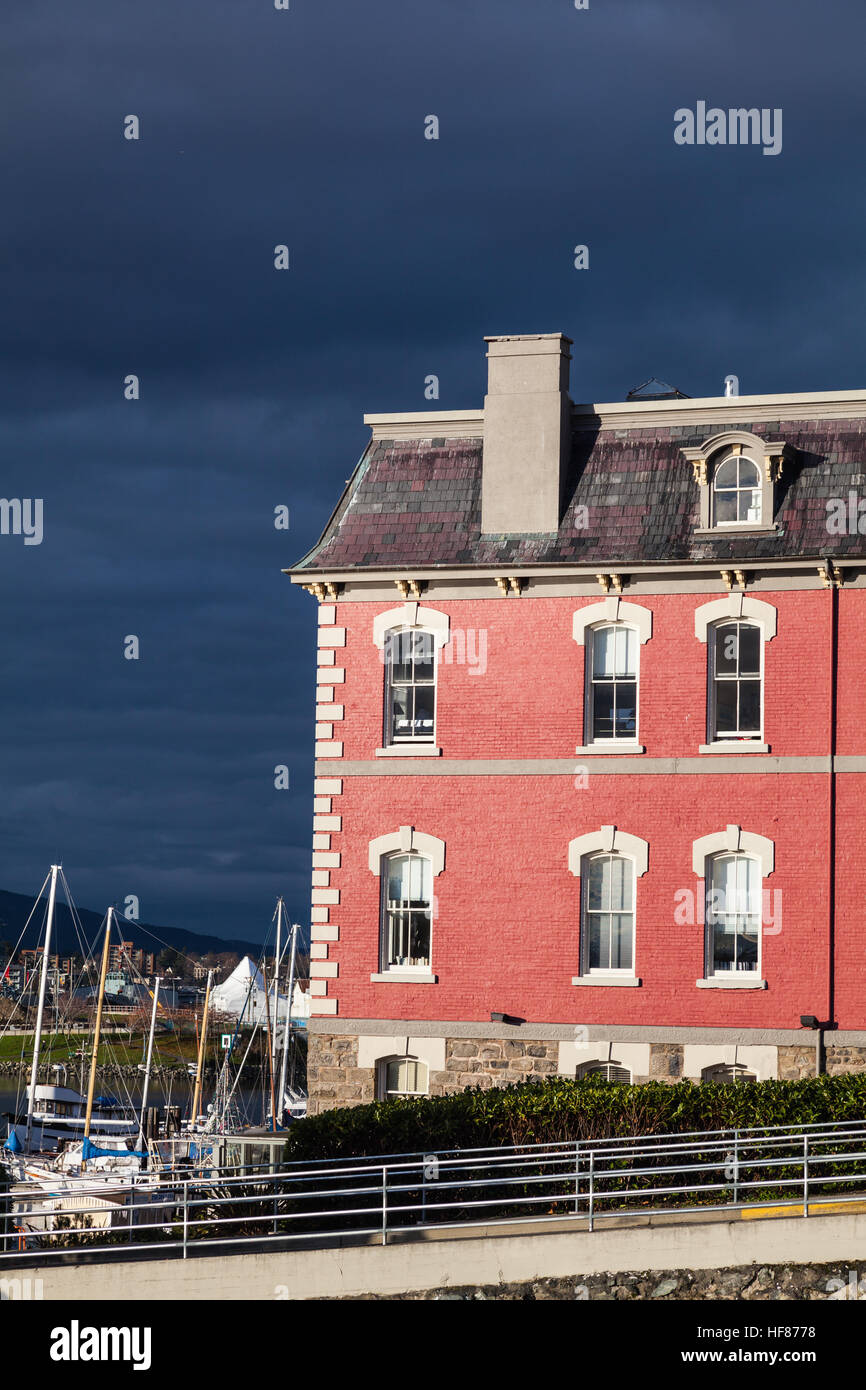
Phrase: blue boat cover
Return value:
(90, 1150)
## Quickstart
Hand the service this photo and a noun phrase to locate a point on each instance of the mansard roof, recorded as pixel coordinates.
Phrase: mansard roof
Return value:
(416, 502)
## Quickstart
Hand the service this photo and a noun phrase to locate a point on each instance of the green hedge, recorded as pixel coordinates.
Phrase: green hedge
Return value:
(562, 1109)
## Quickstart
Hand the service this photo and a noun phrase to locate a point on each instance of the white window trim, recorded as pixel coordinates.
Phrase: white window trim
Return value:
(705, 458)
(733, 840)
(409, 747)
(724, 455)
(611, 611)
(743, 608)
(736, 743)
(736, 605)
(382, 1065)
(609, 745)
(406, 840)
(411, 617)
(607, 840)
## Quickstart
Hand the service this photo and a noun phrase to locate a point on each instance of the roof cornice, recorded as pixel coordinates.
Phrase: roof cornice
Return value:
(618, 415)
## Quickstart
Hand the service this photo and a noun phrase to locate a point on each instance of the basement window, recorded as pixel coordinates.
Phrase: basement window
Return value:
(724, 1074)
(402, 1076)
(609, 1071)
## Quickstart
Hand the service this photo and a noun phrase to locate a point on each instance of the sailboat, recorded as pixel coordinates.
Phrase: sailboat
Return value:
(95, 1181)
(57, 1114)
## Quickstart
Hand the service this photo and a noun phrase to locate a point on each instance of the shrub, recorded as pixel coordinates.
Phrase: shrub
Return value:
(562, 1109)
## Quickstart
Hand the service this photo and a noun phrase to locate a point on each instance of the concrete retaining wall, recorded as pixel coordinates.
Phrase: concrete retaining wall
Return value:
(464, 1261)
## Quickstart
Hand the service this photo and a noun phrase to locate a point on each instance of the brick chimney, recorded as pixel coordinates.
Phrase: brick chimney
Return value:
(527, 433)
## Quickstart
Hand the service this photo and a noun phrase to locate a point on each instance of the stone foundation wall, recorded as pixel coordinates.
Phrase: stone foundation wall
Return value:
(333, 1076)
(335, 1079)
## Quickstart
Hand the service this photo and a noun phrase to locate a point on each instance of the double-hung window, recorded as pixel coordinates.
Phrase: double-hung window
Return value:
(410, 686)
(611, 696)
(736, 653)
(608, 914)
(407, 911)
(733, 914)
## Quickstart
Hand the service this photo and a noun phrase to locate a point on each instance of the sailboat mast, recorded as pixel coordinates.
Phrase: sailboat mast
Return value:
(288, 1025)
(270, 1053)
(146, 1086)
(277, 980)
(201, 1042)
(97, 1029)
(43, 980)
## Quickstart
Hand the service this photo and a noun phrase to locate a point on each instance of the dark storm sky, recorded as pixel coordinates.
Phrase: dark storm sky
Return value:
(155, 257)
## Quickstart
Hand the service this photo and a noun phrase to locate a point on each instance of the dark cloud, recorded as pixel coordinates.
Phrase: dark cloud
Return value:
(306, 127)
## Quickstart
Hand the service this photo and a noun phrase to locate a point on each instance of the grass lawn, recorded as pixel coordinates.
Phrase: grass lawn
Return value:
(119, 1049)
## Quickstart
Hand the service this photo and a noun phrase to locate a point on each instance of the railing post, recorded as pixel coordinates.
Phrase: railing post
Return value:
(591, 1189)
(384, 1204)
(805, 1174)
(577, 1177)
(736, 1165)
(185, 1215)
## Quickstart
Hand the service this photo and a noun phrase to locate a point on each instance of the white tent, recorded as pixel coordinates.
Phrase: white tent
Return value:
(244, 992)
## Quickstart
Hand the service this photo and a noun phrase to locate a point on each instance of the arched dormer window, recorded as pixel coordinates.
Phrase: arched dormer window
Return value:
(736, 472)
(736, 491)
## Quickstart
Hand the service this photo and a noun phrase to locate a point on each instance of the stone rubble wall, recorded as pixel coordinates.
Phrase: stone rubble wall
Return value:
(808, 1283)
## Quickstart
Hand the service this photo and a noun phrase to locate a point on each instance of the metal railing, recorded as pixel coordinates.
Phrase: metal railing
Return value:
(588, 1183)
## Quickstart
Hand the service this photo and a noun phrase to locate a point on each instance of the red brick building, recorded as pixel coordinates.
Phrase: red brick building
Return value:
(590, 748)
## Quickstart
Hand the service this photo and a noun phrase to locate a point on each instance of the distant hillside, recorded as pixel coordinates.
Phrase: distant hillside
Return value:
(15, 909)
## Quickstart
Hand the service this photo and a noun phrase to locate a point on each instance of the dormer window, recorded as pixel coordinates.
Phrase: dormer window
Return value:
(736, 473)
(736, 491)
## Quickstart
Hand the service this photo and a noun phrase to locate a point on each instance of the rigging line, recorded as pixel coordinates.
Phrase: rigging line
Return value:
(27, 923)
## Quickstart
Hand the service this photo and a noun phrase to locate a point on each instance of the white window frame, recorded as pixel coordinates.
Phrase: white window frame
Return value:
(740, 607)
(734, 1079)
(593, 738)
(713, 735)
(382, 1092)
(406, 840)
(710, 971)
(386, 965)
(605, 972)
(410, 741)
(410, 616)
(609, 839)
(725, 457)
(773, 454)
(611, 612)
(732, 840)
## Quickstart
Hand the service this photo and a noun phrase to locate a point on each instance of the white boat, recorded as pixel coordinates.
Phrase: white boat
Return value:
(54, 1197)
(58, 1116)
